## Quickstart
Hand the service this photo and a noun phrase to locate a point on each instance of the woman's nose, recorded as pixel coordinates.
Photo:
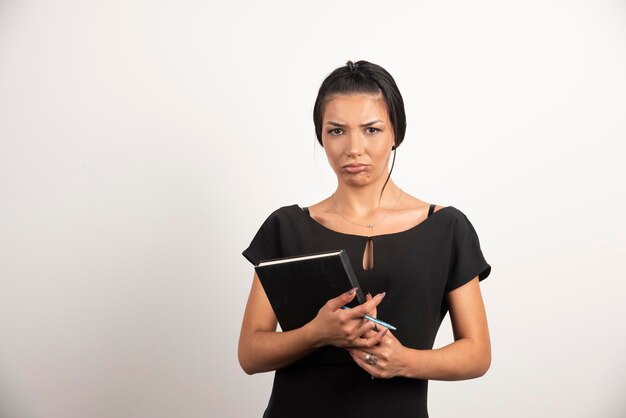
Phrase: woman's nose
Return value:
(355, 146)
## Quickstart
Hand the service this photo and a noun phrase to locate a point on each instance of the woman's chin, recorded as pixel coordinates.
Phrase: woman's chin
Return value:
(360, 179)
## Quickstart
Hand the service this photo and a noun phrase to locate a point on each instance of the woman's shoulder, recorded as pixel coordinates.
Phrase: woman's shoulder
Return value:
(421, 209)
(418, 204)
(282, 212)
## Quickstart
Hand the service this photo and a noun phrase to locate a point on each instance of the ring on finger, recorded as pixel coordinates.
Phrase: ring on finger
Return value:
(370, 359)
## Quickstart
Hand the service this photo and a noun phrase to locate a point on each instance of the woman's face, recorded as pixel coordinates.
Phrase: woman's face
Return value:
(356, 130)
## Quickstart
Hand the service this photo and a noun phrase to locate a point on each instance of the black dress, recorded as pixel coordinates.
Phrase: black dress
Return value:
(416, 267)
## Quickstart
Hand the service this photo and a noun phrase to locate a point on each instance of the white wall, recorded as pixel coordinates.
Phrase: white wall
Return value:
(143, 143)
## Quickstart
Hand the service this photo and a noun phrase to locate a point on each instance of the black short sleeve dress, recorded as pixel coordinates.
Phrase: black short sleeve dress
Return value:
(416, 267)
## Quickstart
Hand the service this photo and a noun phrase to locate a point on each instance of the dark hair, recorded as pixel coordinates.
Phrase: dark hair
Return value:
(363, 77)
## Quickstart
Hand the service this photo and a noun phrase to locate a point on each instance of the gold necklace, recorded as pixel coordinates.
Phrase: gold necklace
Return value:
(370, 226)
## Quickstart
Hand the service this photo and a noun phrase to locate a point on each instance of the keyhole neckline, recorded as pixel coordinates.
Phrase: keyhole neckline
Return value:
(367, 237)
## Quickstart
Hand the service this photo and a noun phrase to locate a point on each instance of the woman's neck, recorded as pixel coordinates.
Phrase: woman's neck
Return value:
(363, 201)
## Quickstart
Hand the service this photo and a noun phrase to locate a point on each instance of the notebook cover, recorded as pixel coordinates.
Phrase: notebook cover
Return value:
(298, 289)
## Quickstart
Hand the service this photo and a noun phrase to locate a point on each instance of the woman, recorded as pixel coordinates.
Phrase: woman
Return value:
(419, 260)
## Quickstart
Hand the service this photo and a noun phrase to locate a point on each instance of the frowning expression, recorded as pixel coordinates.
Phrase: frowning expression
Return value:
(357, 137)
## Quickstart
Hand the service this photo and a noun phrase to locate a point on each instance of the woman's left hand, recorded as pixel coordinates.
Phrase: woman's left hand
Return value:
(388, 355)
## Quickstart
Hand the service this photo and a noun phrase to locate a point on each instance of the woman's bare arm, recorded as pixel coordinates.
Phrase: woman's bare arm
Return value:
(469, 356)
(259, 350)
(262, 349)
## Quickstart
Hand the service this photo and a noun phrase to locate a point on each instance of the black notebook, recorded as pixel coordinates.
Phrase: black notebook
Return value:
(297, 287)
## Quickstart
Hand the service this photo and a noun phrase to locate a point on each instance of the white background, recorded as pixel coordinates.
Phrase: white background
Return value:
(143, 143)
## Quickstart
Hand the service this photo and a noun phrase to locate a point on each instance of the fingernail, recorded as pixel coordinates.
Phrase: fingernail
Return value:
(382, 295)
(352, 291)
(385, 331)
(369, 294)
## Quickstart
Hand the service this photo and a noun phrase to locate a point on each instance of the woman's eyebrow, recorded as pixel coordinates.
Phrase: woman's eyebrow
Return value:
(341, 125)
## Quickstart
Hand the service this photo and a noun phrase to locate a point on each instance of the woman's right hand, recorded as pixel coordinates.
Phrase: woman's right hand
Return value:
(346, 327)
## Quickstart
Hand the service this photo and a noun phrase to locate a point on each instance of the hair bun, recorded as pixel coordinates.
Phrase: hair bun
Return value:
(353, 66)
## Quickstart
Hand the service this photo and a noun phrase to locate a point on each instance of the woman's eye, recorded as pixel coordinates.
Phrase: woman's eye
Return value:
(335, 131)
(374, 130)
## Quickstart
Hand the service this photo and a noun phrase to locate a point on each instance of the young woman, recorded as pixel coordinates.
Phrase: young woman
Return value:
(419, 260)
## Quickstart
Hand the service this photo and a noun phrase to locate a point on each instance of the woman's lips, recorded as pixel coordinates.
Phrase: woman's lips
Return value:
(355, 168)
